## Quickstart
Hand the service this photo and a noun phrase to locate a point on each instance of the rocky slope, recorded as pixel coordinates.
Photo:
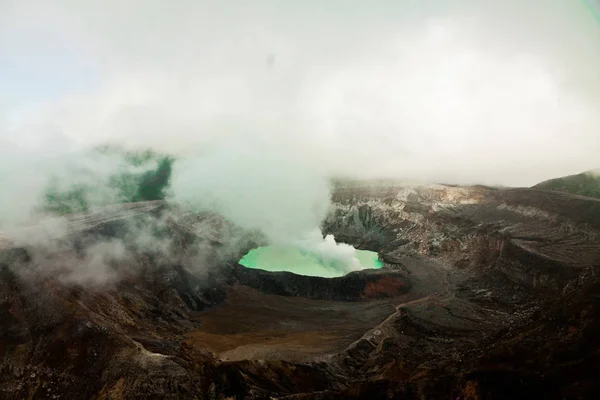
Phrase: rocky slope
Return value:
(485, 294)
(583, 184)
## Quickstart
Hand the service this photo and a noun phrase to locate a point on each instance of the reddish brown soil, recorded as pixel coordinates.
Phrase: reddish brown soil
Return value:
(253, 325)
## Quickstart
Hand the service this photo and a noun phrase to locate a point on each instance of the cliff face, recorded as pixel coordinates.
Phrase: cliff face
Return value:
(485, 294)
(535, 238)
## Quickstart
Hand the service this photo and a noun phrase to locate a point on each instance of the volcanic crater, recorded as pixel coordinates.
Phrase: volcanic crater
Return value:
(484, 294)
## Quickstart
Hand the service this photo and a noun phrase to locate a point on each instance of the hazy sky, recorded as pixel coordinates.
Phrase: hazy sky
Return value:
(461, 91)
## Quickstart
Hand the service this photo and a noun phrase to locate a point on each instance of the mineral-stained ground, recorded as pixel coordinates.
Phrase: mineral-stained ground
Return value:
(485, 294)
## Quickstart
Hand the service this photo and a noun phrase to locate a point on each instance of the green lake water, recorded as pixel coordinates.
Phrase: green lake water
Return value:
(292, 259)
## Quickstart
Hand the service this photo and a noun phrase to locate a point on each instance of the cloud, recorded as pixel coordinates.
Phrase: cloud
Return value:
(451, 91)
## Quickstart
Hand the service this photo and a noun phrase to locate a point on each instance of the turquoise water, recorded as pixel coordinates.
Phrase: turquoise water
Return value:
(292, 259)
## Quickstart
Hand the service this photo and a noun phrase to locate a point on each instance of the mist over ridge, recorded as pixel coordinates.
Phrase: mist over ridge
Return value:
(274, 195)
(251, 109)
(456, 91)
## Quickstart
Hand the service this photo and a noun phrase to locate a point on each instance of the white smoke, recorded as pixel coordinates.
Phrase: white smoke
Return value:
(336, 256)
(268, 188)
(98, 264)
(594, 172)
(256, 185)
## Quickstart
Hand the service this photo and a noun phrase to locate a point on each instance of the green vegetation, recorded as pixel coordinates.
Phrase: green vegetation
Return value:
(135, 176)
(152, 184)
(584, 184)
(62, 202)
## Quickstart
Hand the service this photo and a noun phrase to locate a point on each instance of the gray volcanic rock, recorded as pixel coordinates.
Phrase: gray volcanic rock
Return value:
(535, 238)
(360, 285)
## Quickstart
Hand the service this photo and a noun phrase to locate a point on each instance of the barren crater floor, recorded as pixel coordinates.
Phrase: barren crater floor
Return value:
(252, 325)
